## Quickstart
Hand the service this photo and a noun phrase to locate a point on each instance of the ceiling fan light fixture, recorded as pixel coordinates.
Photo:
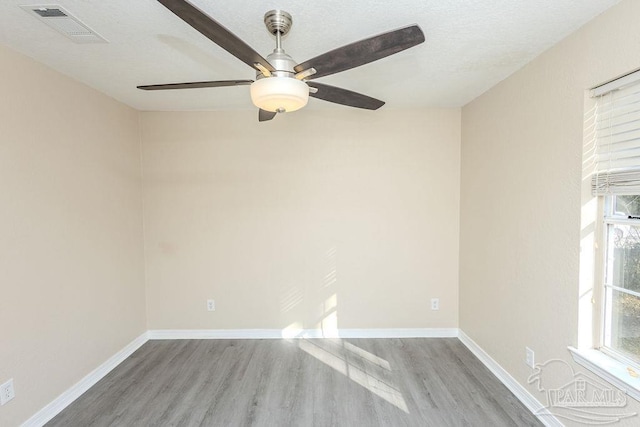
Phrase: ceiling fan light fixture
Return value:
(279, 94)
(281, 84)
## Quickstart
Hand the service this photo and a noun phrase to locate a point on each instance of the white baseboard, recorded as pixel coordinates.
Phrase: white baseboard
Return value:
(44, 415)
(527, 399)
(213, 334)
(199, 334)
(399, 333)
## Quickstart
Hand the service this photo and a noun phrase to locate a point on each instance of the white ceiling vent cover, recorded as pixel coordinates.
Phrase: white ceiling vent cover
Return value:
(65, 23)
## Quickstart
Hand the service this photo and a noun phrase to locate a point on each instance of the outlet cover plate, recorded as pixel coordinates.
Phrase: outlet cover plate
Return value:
(7, 392)
(530, 357)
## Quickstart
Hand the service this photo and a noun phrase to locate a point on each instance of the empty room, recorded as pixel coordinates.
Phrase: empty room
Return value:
(338, 213)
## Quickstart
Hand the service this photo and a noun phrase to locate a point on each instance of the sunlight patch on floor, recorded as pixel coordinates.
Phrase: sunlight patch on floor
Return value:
(339, 360)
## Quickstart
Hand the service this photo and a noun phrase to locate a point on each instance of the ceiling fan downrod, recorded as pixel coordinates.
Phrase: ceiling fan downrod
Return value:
(278, 23)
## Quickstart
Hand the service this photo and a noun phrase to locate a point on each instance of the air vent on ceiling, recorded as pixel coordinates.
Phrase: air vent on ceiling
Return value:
(65, 23)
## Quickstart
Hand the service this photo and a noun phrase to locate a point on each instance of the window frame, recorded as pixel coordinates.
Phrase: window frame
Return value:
(608, 364)
(608, 220)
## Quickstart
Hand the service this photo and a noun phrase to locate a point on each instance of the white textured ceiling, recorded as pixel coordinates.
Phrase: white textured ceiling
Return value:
(470, 46)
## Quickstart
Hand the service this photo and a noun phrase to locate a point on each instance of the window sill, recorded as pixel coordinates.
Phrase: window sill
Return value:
(609, 369)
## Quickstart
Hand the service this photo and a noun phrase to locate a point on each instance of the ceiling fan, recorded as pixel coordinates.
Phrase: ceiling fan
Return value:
(281, 85)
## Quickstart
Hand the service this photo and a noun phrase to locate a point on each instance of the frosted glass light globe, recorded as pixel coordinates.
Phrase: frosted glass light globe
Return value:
(279, 94)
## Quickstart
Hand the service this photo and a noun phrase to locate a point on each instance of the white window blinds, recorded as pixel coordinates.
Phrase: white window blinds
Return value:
(617, 133)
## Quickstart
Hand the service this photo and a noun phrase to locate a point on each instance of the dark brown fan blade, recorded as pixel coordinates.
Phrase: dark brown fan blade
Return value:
(216, 32)
(196, 85)
(264, 115)
(344, 97)
(362, 52)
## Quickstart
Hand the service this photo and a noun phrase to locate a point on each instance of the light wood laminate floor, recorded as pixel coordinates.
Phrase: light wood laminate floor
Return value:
(316, 382)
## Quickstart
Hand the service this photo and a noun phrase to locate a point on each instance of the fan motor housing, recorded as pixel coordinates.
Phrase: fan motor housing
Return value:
(282, 62)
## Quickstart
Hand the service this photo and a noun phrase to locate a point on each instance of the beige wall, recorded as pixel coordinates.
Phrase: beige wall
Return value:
(319, 219)
(71, 276)
(520, 197)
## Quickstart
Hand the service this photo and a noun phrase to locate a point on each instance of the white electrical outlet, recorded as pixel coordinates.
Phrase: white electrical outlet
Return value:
(211, 305)
(7, 392)
(530, 357)
(435, 303)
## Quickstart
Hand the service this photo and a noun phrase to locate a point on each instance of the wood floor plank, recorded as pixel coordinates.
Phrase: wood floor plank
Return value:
(317, 382)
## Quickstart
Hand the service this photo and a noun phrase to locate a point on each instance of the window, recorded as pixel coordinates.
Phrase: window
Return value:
(621, 293)
(608, 339)
(615, 186)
